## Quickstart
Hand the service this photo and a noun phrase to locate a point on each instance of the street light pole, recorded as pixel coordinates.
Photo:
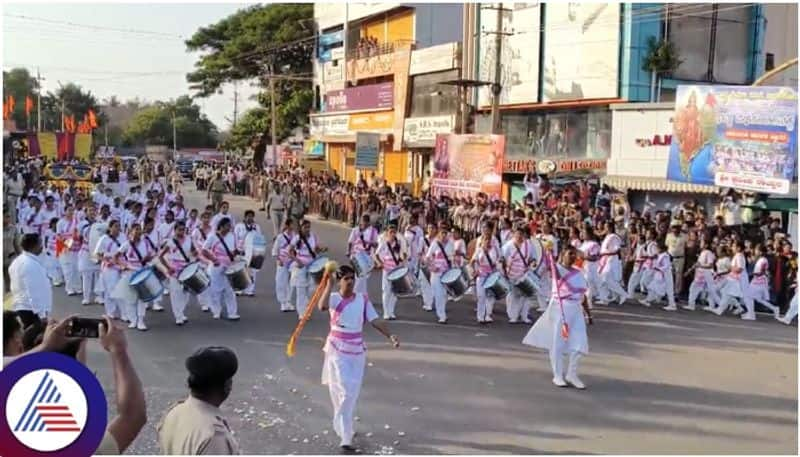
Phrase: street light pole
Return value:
(174, 137)
(496, 87)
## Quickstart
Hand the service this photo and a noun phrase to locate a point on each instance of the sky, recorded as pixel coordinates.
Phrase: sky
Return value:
(64, 42)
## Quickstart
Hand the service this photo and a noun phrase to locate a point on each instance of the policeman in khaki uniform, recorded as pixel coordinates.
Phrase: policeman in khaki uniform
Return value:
(195, 426)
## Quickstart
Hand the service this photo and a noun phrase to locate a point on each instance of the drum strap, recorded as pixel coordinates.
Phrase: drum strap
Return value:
(178, 245)
(308, 246)
(392, 249)
(524, 260)
(138, 254)
(444, 253)
(225, 246)
(150, 242)
(488, 258)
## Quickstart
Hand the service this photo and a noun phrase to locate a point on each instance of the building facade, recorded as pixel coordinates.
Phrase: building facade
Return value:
(363, 80)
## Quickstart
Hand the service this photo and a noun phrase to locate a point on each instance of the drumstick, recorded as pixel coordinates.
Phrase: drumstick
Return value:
(312, 303)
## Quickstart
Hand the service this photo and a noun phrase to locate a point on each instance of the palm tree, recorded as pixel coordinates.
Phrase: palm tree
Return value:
(662, 58)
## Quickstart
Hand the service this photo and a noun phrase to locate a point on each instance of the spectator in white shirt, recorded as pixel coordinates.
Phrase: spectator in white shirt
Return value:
(32, 295)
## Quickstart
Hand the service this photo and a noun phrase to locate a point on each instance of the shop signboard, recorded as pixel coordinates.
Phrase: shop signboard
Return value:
(435, 58)
(329, 125)
(367, 147)
(420, 132)
(372, 122)
(735, 136)
(332, 72)
(554, 166)
(464, 165)
(375, 96)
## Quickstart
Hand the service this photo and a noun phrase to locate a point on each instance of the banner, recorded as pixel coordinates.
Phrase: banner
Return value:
(464, 165)
(367, 147)
(735, 136)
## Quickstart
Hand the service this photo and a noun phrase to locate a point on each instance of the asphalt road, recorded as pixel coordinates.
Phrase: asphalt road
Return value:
(658, 382)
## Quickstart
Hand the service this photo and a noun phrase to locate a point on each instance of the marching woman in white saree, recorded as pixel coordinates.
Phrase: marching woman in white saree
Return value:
(345, 352)
(561, 329)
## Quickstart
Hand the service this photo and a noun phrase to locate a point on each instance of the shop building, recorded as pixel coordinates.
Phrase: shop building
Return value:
(362, 76)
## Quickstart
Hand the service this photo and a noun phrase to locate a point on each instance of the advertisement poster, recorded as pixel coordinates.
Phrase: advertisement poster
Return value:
(581, 51)
(464, 165)
(735, 136)
(367, 147)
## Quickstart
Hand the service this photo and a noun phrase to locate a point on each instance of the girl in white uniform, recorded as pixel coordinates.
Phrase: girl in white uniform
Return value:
(303, 249)
(759, 285)
(439, 257)
(565, 307)
(49, 254)
(283, 267)
(134, 254)
(485, 261)
(110, 269)
(201, 231)
(703, 278)
(518, 255)
(220, 249)
(391, 253)
(737, 286)
(662, 283)
(176, 254)
(345, 351)
(363, 238)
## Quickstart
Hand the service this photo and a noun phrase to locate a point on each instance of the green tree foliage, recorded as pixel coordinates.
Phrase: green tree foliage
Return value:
(153, 125)
(251, 44)
(19, 83)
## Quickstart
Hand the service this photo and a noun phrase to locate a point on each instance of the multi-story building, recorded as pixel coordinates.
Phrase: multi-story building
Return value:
(364, 75)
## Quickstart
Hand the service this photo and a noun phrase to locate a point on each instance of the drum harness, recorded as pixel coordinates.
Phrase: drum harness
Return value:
(225, 246)
(444, 253)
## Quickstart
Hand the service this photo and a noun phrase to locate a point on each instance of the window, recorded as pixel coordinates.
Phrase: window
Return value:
(429, 98)
(769, 62)
(712, 40)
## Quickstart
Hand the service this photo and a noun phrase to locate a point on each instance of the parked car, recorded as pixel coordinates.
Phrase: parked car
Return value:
(185, 168)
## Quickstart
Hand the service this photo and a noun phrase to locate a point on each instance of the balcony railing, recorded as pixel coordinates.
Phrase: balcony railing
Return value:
(366, 48)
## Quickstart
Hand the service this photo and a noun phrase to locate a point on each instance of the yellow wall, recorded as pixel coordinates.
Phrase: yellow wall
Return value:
(395, 165)
(401, 27)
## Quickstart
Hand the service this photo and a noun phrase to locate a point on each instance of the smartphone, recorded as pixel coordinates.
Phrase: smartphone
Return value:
(84, 327)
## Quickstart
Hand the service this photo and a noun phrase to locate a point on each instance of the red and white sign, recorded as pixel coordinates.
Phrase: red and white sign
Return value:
(754, 183)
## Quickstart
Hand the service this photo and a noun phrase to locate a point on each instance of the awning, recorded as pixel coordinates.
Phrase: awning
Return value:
(783, 205)
(657, 185)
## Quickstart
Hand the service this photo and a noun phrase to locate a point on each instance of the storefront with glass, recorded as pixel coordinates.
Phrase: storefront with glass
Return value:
(560, 143)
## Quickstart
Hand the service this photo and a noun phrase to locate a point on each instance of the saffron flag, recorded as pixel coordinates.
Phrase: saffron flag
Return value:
(92, 119)
(28, 105)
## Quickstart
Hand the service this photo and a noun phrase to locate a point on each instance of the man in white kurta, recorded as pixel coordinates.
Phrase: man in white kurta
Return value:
(345, 351)
(569, 286)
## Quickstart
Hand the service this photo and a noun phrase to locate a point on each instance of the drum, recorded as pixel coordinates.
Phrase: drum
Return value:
(159, 269)
(146, 284)
(496, 286)
(255, 249)
(238, 276)
(426, 271)
(362, 263)
(469, 273)
(317, 269)
(526, 285)
(402, 282)
(194, 278)
(456, 283)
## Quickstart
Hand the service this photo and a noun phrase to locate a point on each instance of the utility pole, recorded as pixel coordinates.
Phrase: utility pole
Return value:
(498, 67)
(272, 110)
(105, 127)
(174, 137)
(39, 80)
(235, 101)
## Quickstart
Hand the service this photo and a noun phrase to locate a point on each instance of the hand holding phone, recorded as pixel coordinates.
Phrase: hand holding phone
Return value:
(84, 327)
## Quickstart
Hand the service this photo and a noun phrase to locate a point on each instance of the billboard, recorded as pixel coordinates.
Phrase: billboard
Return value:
(375, 96)
(464, 165)
(735, 136)
(519, 73)
(581, 51)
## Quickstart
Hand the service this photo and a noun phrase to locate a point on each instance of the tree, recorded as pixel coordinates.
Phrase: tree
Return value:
(19, 84)
(661, 59)
(251, 44)
(153, 125)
